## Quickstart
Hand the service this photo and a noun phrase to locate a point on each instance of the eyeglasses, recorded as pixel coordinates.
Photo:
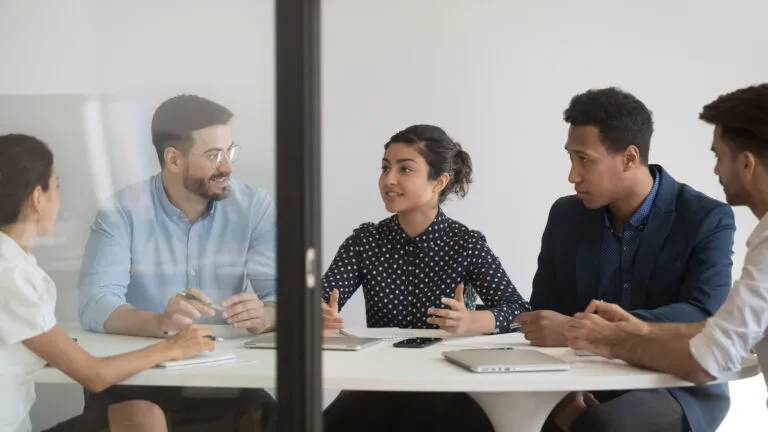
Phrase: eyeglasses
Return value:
(215, 157)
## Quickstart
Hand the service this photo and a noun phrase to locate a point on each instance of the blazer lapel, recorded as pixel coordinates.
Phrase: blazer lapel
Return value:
(655, 234)
(651, 242)
(588, 255)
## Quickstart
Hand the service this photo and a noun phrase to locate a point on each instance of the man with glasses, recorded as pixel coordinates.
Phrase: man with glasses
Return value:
(190, 229)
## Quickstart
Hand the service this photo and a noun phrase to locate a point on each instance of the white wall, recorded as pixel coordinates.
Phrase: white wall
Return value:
(497, 74)
(86, 75)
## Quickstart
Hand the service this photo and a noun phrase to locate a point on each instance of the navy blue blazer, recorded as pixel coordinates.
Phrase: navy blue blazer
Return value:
(682, 271)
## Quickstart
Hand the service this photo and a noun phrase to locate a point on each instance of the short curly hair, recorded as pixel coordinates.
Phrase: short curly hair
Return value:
(742, 116)
(622, 119)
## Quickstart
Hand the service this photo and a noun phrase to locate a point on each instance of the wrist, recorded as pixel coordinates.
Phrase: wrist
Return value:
(270, 311)
(161, 325)
(268, 320)
(615, 343)
(481, 322)
(167, 351)
(645, 328)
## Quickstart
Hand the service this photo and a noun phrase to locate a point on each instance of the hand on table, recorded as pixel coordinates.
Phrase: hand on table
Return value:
(589, 331)
(544, 328)
(180, 312)
(190, 341)
(331, 318)
(615, 314)
(457, 319)
(246, 310)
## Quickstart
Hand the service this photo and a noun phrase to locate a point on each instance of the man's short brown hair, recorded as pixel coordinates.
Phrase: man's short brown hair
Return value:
(176, 118)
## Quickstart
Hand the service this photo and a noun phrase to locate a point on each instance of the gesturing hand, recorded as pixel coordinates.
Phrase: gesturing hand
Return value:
(331, 318)
(457, 319)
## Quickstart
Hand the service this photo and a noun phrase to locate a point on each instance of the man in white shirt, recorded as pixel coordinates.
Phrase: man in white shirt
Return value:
(701, 352)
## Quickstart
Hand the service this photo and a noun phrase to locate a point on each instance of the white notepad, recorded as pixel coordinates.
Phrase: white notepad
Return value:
(202, 359)
(389, 333)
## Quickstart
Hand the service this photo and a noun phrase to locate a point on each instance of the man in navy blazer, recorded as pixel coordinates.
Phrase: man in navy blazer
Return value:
(634, 236)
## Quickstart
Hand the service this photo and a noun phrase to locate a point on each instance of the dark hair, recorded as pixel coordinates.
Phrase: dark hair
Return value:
(622, 119)
(743, 119)
(25, 163)
(176, 118)
(443, 155)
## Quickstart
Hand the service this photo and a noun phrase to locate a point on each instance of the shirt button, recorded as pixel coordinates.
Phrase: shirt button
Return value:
(192, 272)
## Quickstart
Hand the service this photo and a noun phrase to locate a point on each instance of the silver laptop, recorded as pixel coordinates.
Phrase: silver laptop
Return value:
(333, 343)
(505, 360)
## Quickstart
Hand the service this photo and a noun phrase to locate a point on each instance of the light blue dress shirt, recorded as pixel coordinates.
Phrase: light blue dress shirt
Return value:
(142, 250)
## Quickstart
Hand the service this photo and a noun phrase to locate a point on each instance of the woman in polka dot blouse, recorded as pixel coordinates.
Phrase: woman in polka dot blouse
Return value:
(415, 266)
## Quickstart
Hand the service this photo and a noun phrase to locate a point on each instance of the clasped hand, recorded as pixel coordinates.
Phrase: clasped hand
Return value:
(244, 310)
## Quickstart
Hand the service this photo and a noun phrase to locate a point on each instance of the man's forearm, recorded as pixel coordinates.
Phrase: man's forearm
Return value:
(664, 349)
(127, 320)
(675, 330)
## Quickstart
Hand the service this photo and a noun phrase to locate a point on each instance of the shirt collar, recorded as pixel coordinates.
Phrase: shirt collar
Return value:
(427, 239)
(11, 251)
(171, 210)
(641, 215)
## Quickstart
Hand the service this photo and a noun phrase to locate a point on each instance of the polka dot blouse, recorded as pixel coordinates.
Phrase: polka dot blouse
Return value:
(402, 277)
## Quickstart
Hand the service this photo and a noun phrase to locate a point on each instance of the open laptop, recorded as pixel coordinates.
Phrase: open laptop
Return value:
(505, 360)
(333, 343)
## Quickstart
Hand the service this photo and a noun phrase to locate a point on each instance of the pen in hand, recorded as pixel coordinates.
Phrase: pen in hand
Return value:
(192, 297)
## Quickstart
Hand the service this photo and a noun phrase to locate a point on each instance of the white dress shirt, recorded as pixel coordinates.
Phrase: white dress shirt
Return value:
(27, 303)
(742, 322)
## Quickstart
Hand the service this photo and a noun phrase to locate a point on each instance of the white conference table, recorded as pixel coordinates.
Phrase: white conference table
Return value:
(512, 401)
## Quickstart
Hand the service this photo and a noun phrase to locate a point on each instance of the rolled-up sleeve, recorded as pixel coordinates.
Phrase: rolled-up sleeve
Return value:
(260, 264)
(105, 271)
(742, 322)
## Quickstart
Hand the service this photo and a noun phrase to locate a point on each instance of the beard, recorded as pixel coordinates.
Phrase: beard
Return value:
(735, 193)
(204, 186)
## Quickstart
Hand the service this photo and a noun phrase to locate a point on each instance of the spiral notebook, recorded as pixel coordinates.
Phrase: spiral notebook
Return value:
(388, 333)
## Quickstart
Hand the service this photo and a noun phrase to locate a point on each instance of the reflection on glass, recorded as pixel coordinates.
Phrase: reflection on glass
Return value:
(160, 117)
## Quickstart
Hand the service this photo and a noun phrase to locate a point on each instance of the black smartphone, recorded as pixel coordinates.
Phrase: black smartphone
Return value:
(417, 342)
